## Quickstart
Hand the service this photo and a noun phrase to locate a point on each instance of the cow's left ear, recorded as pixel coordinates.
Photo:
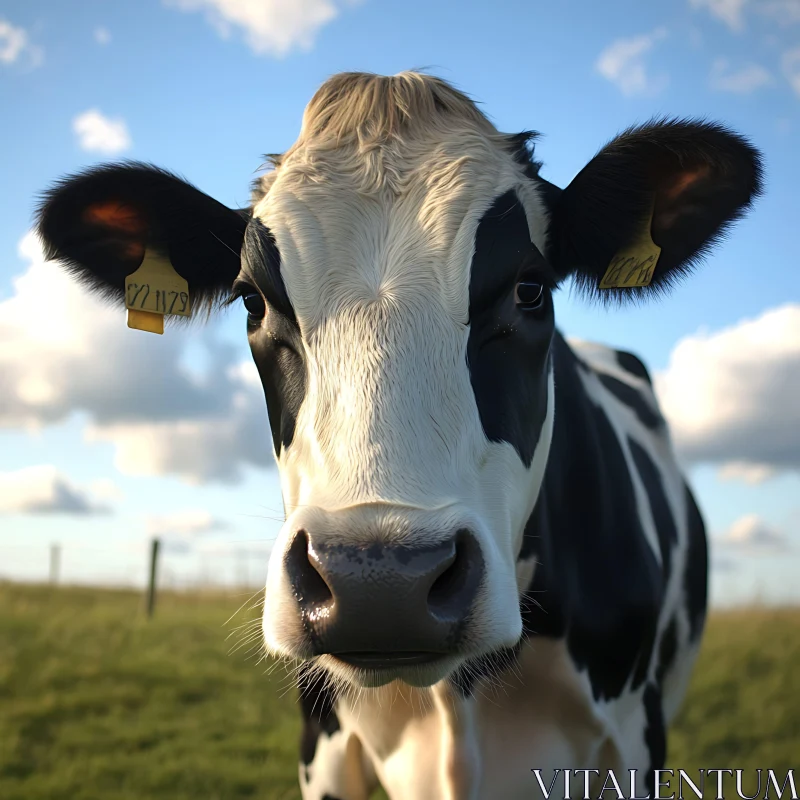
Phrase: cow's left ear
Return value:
(674, 184)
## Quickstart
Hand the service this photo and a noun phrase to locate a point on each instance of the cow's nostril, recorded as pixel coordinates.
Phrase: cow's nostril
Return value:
(453, 591)
(448, 582)
(309, 586)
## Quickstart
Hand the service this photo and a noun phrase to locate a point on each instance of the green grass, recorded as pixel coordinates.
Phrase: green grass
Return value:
(97, 703)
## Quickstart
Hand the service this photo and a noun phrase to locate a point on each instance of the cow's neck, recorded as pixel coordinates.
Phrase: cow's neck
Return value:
(586, 533)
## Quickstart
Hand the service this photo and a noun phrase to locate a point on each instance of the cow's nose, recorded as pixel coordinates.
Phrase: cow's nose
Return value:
(375, 603)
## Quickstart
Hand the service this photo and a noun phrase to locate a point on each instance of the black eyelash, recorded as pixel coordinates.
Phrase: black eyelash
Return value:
(538, 270)
(238, 291)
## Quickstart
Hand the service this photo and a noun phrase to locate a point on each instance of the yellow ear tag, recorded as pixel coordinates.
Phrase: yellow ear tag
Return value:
(155, 289)
(633, 265)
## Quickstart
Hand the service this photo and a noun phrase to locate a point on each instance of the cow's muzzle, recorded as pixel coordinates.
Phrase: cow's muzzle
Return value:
(381, 606)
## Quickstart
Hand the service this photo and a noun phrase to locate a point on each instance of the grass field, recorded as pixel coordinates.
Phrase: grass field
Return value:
(97, 703)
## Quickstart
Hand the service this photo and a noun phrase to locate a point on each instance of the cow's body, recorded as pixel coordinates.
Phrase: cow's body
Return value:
(490, 562)
(613, 619)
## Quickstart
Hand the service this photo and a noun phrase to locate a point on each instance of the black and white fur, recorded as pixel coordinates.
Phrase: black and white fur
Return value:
(412, 394)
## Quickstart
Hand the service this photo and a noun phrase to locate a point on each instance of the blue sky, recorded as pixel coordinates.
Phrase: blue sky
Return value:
(205, 87)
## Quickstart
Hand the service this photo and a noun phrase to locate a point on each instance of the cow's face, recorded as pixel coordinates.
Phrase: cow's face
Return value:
(397, 269)
(402, 336)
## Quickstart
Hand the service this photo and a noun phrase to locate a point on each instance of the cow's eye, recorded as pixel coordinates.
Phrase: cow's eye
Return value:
(256, 308)
(529, 295)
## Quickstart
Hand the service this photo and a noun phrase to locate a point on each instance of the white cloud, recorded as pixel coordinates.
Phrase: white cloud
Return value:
(100, 134)
(44, 490)
(63, 351)
(752, 533)
(784, 12)
(731, 396)
(102, 35)
(16, 46)
(742, 81)
(753, 474)
(12, 42)
(187, 524)
(105, 489)
(731, 12)
(791, 68)
(623, 63)
(197, 450)
(270, 27)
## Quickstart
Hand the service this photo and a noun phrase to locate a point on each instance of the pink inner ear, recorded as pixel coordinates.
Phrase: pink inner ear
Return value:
(670, 201)
(117, 216)
(685, 180)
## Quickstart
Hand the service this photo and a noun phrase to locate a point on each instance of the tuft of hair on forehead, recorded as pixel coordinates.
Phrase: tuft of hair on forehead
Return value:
(366, 111)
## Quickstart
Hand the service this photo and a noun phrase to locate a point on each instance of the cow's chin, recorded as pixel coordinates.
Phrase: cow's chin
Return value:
(344, 673)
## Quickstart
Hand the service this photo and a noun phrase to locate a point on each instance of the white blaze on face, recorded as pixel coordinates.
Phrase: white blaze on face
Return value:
(379, 283)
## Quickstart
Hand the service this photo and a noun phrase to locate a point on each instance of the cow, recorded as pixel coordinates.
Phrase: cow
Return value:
(491, 567)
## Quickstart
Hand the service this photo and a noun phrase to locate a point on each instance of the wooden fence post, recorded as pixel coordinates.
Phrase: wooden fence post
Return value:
(55, 562)
(151, 588)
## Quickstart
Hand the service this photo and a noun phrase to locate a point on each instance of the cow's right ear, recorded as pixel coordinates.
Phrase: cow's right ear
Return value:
(99, 223)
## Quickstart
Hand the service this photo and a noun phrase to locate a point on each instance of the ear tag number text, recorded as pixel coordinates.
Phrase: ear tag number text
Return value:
(153, 291)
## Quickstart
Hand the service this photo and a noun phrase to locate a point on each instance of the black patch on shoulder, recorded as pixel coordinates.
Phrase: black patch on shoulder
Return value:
(655, 734)
(508, 348)
(645, 657)
(597, 581)
(542, 605)
(696, 576)
(633, 364)
(484, 667)
(659, 506)
(613, 647)
(667, 650)
(329, 797)
(633, 399)
(319, 717)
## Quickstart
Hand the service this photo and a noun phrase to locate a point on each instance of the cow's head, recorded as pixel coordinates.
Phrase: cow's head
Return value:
(397, 267)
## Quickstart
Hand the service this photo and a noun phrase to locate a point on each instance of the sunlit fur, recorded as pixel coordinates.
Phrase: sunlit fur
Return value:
(375, 215)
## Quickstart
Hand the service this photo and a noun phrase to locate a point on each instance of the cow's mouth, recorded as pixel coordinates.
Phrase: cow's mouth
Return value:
(387, 660)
